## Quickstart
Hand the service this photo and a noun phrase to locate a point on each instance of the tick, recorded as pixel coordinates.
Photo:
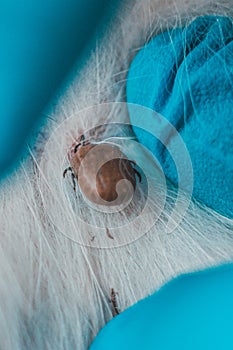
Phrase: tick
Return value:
(101, 185)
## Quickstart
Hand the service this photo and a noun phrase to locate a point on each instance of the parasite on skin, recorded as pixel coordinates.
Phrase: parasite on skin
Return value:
(119, 167)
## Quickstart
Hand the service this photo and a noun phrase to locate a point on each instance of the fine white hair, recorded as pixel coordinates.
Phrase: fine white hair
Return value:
(56, 277)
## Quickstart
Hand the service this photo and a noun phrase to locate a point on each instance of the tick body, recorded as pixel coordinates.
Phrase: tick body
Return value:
(100, 183)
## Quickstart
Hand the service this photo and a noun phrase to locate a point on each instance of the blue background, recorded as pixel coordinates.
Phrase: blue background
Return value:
(189, 313)
(39, 43)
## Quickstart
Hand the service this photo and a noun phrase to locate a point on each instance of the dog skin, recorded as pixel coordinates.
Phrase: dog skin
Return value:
(59, 277)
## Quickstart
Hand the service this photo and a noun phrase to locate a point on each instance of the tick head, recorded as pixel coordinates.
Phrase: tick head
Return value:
(77, 146)
(77, 153)
(81, 142)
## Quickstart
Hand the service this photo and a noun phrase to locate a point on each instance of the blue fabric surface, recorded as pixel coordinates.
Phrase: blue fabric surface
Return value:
(186, 75)
(40, 42)
(191, 312)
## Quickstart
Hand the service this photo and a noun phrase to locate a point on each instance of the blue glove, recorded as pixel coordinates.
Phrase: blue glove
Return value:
(186, 75)
(191, 312)
(40, 41)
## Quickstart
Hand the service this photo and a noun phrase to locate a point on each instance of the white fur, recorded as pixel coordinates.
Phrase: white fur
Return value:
(54, 292)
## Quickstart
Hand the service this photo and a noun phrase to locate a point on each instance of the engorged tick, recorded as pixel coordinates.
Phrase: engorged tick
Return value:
(102, 185)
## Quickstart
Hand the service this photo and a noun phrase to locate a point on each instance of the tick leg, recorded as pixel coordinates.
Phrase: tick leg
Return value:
(74, 183)
(84, 141)
(76, 147)
(81, 143)
(72, 175)
(138, 174)
(65, 171)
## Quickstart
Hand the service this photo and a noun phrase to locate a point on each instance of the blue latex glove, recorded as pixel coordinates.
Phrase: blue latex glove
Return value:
(186, 75)
(39, 43)
(191, 312)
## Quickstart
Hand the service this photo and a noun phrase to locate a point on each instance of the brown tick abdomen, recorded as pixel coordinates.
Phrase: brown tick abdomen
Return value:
(115, 167)
(110, 174)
